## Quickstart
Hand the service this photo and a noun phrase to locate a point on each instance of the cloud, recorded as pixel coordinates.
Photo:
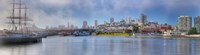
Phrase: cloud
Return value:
(57, 12)
(55, 2)
(39, 15)
(4, 6)
(42, 19)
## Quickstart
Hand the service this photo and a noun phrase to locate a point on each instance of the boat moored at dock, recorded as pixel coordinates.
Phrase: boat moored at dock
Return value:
(18, 31)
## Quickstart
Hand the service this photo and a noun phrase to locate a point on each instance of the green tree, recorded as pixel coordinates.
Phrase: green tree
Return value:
(192, 30)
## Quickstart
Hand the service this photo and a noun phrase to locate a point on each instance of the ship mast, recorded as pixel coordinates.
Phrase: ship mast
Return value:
(12, 27)
(19, 21)
(25, 20)
(20, 17)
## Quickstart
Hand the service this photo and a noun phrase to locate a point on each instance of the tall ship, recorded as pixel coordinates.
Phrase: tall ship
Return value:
(18, 31)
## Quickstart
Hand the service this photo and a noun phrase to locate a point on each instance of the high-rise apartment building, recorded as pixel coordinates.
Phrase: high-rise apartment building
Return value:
(143, 19)
(95, 23)
(111, 21)
(197, 23)
(184, 23)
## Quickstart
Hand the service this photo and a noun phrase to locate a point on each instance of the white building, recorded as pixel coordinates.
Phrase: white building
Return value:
(184, 23)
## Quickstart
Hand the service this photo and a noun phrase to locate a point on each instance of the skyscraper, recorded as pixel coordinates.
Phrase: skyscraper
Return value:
(111, 21)
(143, 19)
(85, 25)
(95, 23)
(197, 23)
(184, 23)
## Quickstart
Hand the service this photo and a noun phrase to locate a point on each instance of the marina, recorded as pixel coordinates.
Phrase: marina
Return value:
(99, 27)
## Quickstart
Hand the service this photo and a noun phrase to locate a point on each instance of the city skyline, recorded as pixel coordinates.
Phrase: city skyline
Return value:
(99, 27)
(59, 12)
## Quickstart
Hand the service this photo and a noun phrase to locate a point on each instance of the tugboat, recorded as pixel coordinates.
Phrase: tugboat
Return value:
(18, 31)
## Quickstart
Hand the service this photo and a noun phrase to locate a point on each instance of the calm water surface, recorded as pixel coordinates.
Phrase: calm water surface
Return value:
(106, 46)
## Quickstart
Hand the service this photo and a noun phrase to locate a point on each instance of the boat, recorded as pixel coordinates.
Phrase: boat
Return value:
(18, 31)
(174, 34)
(20, 38)
(81, 33)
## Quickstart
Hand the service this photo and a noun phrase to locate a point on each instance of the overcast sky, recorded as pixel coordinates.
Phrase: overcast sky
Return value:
(59, 12)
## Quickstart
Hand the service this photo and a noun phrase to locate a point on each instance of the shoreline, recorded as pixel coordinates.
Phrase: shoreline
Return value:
(176, 36)
(181, 36)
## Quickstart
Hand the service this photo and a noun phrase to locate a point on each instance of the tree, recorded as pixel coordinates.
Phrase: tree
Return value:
(192, 30)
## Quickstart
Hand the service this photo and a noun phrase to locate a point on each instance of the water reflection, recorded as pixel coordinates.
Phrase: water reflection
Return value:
(106, 46)
(25, 49)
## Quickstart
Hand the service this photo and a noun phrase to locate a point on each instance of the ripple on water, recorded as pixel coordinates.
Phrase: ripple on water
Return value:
(106, 46)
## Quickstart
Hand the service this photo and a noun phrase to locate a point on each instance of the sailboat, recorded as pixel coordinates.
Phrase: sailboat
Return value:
(18, 26)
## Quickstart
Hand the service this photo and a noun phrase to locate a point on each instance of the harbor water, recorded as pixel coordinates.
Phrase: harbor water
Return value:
(94, 45)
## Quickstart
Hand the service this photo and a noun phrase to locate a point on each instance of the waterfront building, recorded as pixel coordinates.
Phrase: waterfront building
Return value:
(197, 23)
(184, 23)
(148, 29)
(155, 29)
(143, 19)
(164, 28)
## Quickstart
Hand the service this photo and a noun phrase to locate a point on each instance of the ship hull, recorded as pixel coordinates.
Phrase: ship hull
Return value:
(16, 40)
